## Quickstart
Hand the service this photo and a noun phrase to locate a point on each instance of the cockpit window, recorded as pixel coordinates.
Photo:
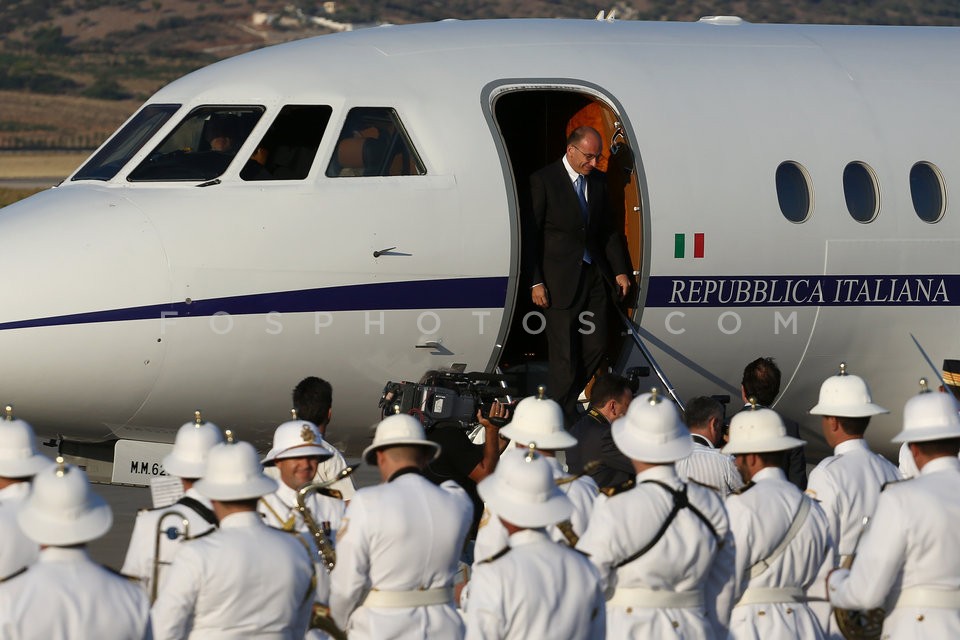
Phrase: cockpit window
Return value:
(201, 147)
(126, 142)
(374, 143)
(289, 147)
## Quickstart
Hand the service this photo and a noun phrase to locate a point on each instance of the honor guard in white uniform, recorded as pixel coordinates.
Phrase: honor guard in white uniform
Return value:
(398, 548)
(64, 594)
(298, 449)
(535, 587)
(907, 561)
(245, 579)
(663, 548)
(313, 401)
(950, 375)
(781, 535)
(158, 533)
(19, 462)
(848, 483)
(706, 465)
(539, 420)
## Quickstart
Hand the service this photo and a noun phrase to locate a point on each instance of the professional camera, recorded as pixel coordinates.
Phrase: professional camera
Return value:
(448, 396)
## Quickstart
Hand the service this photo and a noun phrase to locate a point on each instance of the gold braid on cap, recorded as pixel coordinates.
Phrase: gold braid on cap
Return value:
(843, 368)
(197, 418)
(229, 435)
(531, 452)
(8, 413)
(654, 396)
(924, 387)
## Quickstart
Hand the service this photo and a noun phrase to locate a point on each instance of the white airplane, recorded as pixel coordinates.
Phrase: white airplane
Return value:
(784, 193)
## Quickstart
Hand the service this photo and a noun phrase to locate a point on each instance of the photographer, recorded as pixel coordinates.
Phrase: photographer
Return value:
(463, 461)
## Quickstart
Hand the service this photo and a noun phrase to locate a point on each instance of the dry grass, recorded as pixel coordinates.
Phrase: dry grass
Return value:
(9, 196)
(26, 166)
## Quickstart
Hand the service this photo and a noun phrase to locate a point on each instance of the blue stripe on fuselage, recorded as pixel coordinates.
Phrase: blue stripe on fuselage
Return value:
(452, 293)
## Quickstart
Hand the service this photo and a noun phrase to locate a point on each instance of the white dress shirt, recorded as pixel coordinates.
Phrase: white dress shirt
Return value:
(245, 580)
(65, 595)
(760, 517)
(708, 466)
(539, 589)
(685, 560)
(910, 545)
(402, 536)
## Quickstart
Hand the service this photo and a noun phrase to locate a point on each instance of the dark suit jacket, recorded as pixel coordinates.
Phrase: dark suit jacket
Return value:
(595, 442)
(555, 237)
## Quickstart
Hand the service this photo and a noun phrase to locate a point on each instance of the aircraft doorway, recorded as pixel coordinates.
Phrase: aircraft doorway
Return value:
(534, 124)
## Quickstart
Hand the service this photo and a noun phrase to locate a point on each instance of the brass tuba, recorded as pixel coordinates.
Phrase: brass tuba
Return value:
(172, 533)
(854, 624)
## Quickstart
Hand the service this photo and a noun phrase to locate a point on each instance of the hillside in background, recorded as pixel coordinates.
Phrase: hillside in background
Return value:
(72, 70)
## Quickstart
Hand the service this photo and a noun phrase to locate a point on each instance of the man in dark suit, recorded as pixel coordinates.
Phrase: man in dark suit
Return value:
(573, 253)
(761, 381)
(609, 398)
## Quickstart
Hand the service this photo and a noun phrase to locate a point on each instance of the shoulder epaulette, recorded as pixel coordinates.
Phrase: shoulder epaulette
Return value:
(497, 555)
(704, 485)
(618, 489)
(13, 575)
(331, 493)
(743, 489)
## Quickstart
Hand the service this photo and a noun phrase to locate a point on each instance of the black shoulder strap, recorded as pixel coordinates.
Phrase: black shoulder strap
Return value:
(13, 575)
(201, 509)
(680, 501)
(497, 555)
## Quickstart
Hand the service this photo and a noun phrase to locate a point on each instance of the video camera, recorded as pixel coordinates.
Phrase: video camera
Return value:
(448, 396)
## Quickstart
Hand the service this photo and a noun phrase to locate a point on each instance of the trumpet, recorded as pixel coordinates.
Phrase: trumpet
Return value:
(328, 554)
(172, 533)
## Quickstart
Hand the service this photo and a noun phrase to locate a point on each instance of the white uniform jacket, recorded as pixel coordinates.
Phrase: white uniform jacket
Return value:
(17, 551)
(708, 466)
(537, 589)
(582, 492)
(908, 560)
(402, 536)
(279, 510)
(688, 567)
(244, 580)
(65, 595)
(772, 604)
(141, 551)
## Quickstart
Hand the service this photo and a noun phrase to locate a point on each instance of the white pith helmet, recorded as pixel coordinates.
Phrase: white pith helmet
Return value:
(522, 490)
(62, 510)
(19, 457)
(399, 429)
(234, 473)
(652, 430)
(539, 419)
(194, 440)
(759, 430)
(929, 416)
(847, 396)
(297, 439)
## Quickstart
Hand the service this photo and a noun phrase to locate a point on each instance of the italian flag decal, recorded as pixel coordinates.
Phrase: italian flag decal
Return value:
(680, 245)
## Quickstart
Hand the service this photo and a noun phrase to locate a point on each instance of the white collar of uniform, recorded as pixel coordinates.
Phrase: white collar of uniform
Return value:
(702, 441)
(199, 497)
(15, 492)
(241, 519)
(555, 467)
(769, 473)
(849, 446)
(285, 494)
(573, 175)
(64, 554)
(660, 472)
(528, 536)
(943, 463)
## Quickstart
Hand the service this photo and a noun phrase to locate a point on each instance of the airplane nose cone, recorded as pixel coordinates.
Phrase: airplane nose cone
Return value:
(81, 273)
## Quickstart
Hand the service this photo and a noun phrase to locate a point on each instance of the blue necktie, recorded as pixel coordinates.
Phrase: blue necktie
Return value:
(580, 184)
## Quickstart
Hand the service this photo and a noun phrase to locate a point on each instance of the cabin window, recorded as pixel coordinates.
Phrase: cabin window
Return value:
(926, 188)
(373, 142)
(287, 150)
(862, 192)
(793, 192)
(201, 147)
(127, 142)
